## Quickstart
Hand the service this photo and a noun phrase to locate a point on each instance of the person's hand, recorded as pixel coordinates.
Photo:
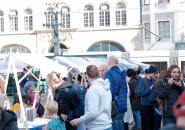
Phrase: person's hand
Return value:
(74, 122)
(151, 87)
(179, 83)
(170, 81)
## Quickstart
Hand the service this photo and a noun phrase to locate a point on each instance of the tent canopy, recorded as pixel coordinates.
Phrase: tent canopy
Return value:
(142, 65)
(127, 64)
(36, 61)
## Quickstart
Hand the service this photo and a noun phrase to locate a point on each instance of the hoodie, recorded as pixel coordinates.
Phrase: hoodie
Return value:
(8, 120)
(56, 124)
(98, 106)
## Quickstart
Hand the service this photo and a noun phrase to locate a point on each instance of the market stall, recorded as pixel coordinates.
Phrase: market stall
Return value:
(12, 63)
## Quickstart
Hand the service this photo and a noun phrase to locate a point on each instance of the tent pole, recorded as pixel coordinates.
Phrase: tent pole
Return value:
(25, 75)
(7, 76)
(36, 93)
(32, 74)
(19, 92)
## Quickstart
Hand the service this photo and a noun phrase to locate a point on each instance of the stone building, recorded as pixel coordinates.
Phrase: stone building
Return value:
(88, 25)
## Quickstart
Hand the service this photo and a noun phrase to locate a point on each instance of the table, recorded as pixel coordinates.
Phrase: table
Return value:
(37, 124)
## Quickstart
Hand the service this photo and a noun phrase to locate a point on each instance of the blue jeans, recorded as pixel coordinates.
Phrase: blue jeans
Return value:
(168, 120)
(118, 122)
(157, 121)
(137, 117)
(110, 128)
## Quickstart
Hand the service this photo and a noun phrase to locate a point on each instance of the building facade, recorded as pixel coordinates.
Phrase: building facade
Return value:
(165, 18)
(88, 26)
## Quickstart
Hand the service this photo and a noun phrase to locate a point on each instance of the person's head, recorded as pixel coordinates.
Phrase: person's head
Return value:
(146, 72)
(53, 80)
(179, 111)
(29, 85)
(52, 108)
(161, 75)
(138, 72)
(112, 61)
(24, 71)
(92, 73)
(131, 73)
(102, 69)
(173, 72)
(79, 79)
(152, 72)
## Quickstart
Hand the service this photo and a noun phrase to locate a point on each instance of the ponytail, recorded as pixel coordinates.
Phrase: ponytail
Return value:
(55, 77)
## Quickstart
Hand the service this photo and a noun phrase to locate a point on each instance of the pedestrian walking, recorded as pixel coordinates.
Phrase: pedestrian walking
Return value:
(144, 89)
(169, 89)
(117, 77)
(97, 103)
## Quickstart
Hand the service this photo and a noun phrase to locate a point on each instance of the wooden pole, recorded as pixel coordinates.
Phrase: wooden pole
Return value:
(19, 92)
(7, 76)
(38, 84)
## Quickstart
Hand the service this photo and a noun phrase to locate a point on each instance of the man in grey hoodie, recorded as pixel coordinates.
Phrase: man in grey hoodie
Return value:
(97, 103)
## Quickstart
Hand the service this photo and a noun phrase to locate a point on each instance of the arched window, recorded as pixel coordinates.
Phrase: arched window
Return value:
(104, 15)
(13, 20)
(28, 20)
(14, 49)
(61, 47)
(121, 14)
(49, 18)
(88, 16)
(65, 17)
(1, 21)
(105, 46)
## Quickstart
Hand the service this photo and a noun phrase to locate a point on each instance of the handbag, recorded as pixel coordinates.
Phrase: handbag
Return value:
(114, 110)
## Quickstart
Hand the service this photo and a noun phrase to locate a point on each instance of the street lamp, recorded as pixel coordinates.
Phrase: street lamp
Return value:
(55, 26)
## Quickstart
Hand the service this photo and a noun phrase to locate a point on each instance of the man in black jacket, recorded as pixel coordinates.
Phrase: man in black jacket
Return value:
(8, 119)
(25, 80)
(134, 98)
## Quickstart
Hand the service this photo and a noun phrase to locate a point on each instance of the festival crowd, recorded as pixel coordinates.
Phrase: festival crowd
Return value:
(105, 98)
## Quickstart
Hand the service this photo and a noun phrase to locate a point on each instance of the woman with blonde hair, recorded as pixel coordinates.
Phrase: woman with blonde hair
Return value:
(54, 81)
(7, 102)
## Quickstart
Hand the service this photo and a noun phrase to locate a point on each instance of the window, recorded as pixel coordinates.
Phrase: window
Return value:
(120, 14)
(14, 49)
(49, 18)
(65, 17)
(88, 16)
(28, 20)
(164, 1)
(105, 46)
(1, 21)
(164, 29)
(13, 20)
(147, 33)
(147, 2)
(104, 15)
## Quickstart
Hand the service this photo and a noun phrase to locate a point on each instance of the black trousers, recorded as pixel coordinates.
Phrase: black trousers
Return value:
(69, 126)
(148, 120)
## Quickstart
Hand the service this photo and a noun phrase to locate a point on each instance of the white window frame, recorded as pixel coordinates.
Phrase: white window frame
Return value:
(119, 16)
(29, 22)
(89, 17)
(2, 22)
(164, 1)
(146, 30)
(13, 21)
(49, 18)
(65, 19)
(102, 16)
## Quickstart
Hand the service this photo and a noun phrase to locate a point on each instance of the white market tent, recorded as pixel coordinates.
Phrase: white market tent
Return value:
(13, 63)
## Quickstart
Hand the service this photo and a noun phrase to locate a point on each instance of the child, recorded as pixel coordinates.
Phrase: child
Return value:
(56, 123)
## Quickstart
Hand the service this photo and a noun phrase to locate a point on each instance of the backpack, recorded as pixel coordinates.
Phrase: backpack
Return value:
(76, 100)
(136, 83)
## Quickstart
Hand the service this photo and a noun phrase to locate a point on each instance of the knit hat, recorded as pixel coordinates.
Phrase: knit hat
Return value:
(28, 85)
(176, 108)
(152, 69)
(1, 100)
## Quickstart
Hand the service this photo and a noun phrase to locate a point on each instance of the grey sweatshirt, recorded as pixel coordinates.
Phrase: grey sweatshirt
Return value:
(98, 106)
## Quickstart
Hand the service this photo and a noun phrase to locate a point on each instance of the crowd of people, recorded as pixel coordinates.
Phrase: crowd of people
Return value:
(109, 99)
